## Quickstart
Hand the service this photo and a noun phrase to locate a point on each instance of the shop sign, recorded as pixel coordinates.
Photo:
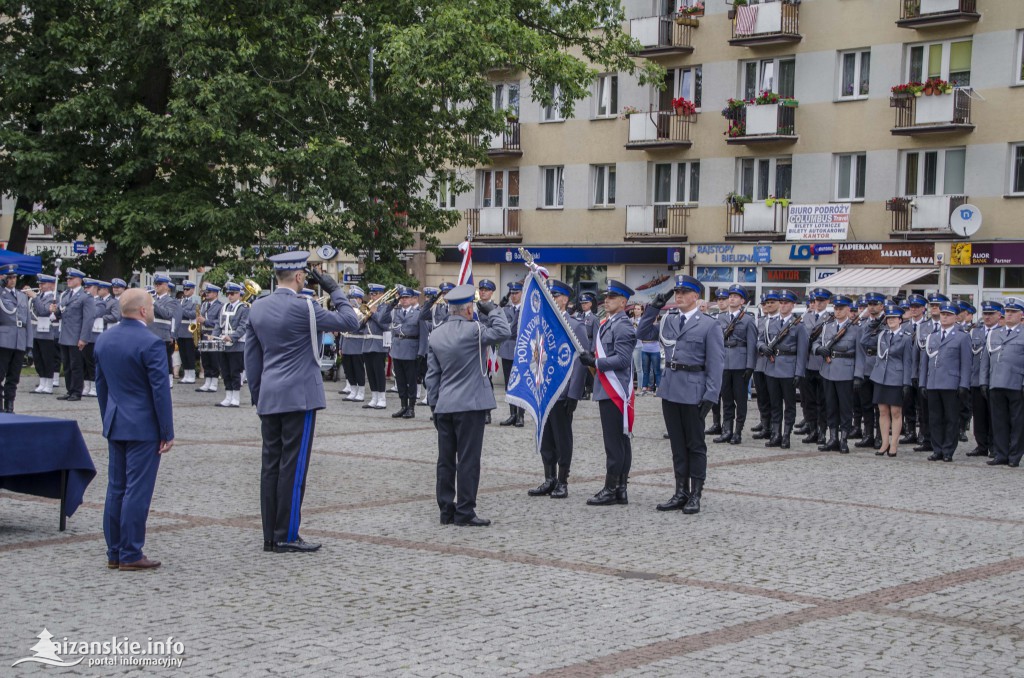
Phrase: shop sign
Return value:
(886, 254)
(987, 254)
(786, 275)
(818, 222)
(802, 252)
(734, 254)
(561, 255)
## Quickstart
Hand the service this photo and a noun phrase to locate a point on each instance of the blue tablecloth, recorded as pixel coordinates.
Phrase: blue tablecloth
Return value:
(34, 451)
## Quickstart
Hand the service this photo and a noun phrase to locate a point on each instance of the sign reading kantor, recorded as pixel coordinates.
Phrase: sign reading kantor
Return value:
(818, 222)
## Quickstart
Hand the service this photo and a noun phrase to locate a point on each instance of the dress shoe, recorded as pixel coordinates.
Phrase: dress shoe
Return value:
(758, 428)
(64, 397)
(74, 398)
(935, 456)
(693, 503)
(865, 442)
(761, 434)
(977, 452)
(1013, 464)
(561, 490)
(475, 521)
(736, 438)
(678, 500)
(924, 447)
(998, 462)
(447, 520)
(142, 563)
(713, 431)
(112, 564)
(410, 412)
(548, 486)
(812, 436)
(400, 413)
(509, 421)
(908, 438)
(726, 435)
(268, 547)
(607, 495)
(297, 546)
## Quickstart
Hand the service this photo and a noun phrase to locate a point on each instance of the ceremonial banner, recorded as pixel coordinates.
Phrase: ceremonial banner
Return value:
(544, 355)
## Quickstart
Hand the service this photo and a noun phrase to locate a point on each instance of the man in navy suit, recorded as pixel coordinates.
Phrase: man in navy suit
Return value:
(135, 405)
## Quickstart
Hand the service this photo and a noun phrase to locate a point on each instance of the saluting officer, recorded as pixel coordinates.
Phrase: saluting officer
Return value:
(589, 319)
(891, 375)
(440, 313)
(44, 343)
(15, 315)
(991, 311)
(165, 311)
(722, 303)
(913, 317)
(927, 328)
(739, 331)
(352, 354)
(209, 315)
(376, 344)
(812, 391)
(946, 374)
(405, 341)
(837, 347)
(784, 345)
(75, 310)
(186, 342)
(231, 329)
(458, 395)
(690, 385)
(1002, 376)
(507, 350)
(769, 311)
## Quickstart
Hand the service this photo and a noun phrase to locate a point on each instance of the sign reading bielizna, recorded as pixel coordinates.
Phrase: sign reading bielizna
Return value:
(818, 222)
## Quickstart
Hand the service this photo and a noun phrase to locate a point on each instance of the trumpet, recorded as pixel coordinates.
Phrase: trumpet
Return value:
(252, 290)
(365, 310)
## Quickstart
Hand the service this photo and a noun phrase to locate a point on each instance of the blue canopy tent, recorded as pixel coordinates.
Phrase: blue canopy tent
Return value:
(27, 264)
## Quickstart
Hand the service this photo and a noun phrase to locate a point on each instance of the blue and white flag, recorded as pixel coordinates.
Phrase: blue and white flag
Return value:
(544, 355)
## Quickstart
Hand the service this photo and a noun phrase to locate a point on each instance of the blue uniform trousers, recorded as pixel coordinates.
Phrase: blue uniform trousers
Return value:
(132, 471)
(287, 441)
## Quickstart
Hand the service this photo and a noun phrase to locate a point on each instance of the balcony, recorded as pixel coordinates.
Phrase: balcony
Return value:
(661, 36)
(494, 224)
(935, 114)
(504, 144)
(756, 221)
(762, 124)
(767, 23)
(662, 223)
(925, 217)
(931, 13)
(659, 129)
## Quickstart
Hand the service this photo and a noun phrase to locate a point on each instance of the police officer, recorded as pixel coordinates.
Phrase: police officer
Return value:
(837, 347)
(912, 319)
(891, 377)
(15, 324)
(613, 345)
(44, 342)
(486, 290)
(209, 315)
(589, 319)
(231, 329)
(739, 331)
(769, 311)
(507, 350)
(946, 374)
(1002, 377)
(405, 339)
(930, 325)
(966, 322)
(92, 288)
(440, 311)
(427, 311)
(784, 345)
(458, 395)
(165, 311)
(376, 343)
(991, 311)
(812, 391)
(871, 327)
(75, 310)
(722, 302)
(352, 353)
(690, 386)
(186, 342)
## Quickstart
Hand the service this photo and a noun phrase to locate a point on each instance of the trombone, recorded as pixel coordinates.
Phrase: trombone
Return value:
(365, 309)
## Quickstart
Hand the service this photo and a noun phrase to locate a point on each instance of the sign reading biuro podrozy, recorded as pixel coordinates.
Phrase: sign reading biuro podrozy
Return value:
(818, 222)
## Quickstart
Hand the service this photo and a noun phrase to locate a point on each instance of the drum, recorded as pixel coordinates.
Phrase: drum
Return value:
(211, 346)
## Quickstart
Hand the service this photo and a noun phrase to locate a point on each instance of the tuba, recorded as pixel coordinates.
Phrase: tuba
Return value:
(252, 290)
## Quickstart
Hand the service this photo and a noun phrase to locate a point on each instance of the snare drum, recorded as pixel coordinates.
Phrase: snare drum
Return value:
(211, 346)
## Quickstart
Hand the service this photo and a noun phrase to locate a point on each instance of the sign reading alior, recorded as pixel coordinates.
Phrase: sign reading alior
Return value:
(987, 254)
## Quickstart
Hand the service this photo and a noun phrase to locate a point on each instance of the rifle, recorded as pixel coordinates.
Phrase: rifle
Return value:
(835, 340)
(732, 325)
(875, 324)
(816, 332)
(772, 346)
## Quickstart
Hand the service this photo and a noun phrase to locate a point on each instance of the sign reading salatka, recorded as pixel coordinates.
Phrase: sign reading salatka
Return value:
(818, 222)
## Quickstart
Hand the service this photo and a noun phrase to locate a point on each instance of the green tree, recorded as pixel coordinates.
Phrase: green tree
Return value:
(179, 131)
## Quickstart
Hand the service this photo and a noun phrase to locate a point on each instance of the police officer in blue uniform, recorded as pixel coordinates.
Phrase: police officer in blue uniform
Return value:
(189, 305)
(44, 340)
(891, 375)
(871, 326)
(722, 299)
(427, 311)
(586, 315)
(486, 289)
(812, 391)
(966, 322)
(165, 312)
(946, 374)
(75, 310)
(232, 330)
(991, 312)
(352, 354)
(739, 331)
(769, 310)
(507, 350)
(1002, 378)
(913, 317)
(929, 326)
(208, 316)
(376, 344)
(405, 342)
(784, 345)
(837, 347)
(15, 324)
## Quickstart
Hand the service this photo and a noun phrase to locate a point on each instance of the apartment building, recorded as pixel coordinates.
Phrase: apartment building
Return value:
(829, 171)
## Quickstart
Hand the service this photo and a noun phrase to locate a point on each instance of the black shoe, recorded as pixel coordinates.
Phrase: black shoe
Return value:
(678, 500)
(785, 440)
(855, 433)
(447, 519)
(475, 521)
(693, 503)
(508, 422)
(561, 490)
(977, 452)
(608, 494)
(64, 397)
(924, 447)
(865, 442)
(297, 546)
(74, 398)
(801, 428)
(878, 442)
(935, 456)
(548, 486)
(487, 417)
(665, 436)
(726, 436)
(833, 442)
(950, 458)
(844, 440)
(775, 440)
(519, 423)
(736, 438)
(621, 495)
(963, 435)
(908, 438)
(762, 434)
(998, 462)
(410, 412)
(811, 437)
(758, 428)
(1013, 464)
(400, 413)
(268, 547)
(713, 431)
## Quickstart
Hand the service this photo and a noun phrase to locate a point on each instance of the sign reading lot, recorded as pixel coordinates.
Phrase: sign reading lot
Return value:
(818, 222)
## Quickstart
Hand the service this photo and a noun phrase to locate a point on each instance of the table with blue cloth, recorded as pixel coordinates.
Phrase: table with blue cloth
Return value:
(46, 458)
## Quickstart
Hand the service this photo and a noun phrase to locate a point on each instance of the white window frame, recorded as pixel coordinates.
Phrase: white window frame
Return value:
(606, 95)
(1015, 148)
(940, 170)
(773, 176)
(500, 99)
(602, 192)
(858, 55)
(947, 51)
(444, 198)
(858, 162)
(554, 112)
(486, 177)
(676, 168)
(762, 73)
(555, 177)
(1018, 64)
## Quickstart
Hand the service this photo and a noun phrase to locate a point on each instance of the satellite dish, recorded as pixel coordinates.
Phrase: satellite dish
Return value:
(965, 220)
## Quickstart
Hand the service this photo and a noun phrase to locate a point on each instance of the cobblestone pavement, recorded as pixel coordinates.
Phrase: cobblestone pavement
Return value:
(802, 563)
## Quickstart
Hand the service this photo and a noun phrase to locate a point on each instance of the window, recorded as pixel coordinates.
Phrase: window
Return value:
(936, 172)
(773, 75)
(554, 112)
(681, 82)
(606, 96)
(506, 97)
(1017, 169)
(445, 197)
(1019, 63)
(850, 176)
(499, 188)
(760, 178)
(676, 182)
(855, 73)
(554, 186)
(949, 60)
(604, 185)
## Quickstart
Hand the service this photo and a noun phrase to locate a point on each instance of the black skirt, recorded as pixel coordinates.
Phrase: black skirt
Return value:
(888, 395)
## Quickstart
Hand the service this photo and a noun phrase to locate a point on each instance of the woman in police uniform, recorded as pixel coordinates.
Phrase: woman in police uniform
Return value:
(891, 377)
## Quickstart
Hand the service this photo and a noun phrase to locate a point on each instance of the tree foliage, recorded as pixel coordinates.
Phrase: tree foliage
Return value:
(181, 130)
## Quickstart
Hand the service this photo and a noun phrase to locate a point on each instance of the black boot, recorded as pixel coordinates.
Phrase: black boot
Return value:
(963, 433)
(758, 428)
(801, 427)
(833, 442)
(762, 431)
(909, 437)
(621, 497)
(713, 431)
(487, 417)
(520, 414)
(410, 412)
(550, 480)
(844, 447)
(693, 503)
(869, 435)
(561, 490)
(856, 432)
(737, 434)
(401, 413)
(679, 499)
(608, 494)
(511, 417)
(814, 435)
(925, 446)
(785, 438)
(776, 439)
(726, 434)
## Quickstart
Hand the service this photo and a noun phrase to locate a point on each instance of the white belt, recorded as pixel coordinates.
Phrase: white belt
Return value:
(363, 336)
(162, 321)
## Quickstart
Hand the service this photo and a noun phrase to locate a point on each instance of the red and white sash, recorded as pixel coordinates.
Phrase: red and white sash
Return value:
(616, 392)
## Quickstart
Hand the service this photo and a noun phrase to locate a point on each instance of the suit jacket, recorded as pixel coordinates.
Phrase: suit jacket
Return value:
(76, 312)
(282, 355)
(507, 350)
(405, 333)
(15, 320)
(894, 364)
(456, 377)
(234, 322)
(846, 360)
(741, 346)
(188, 306)
(813, 320)
(792, 359)
(868, 344)
(132, 384)
(1002, 361)
(165, 312)
(697, 341)
(618, 339)
(946, 365)
(590, 323)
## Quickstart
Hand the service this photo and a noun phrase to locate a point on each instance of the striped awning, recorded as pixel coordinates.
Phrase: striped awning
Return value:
(888, 281)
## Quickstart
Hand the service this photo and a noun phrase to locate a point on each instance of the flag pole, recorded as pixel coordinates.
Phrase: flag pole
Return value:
(528, 258)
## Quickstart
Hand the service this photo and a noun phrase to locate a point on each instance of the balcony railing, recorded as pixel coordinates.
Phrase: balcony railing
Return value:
(932, 114)
(494, 223)
(928, 13)
(766, 23)
(756, 221)
(657, 222)
(924, 217)
(661, 35)
(762, 123)
(503, 144)
(659, 129)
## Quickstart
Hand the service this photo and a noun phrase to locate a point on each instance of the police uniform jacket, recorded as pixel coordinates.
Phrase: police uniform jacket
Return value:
(352, 342)
(41, 309)
(589, 321)
(924, 330)
(813, 320)
(846, 360)
(694, 355)
(456, 377)
(577, 381)
(112, 312)
(791, 360)
(188, 315)
(426, 325)
(761, 361)
(439, 313)
(378, 323)
(946, 365)
(282, 354)
(15, 320)
(894, 364)
(870, 328)
(618, 339)
(234, 323)
(76, 312)
(741, 346)
(210, 310)
(98, 324)
(405, 333)
(165, 311)
(979, 336)
(1002, 361)
(507, 350)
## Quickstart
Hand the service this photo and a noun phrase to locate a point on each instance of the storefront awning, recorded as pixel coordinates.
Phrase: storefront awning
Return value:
(888, 281)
